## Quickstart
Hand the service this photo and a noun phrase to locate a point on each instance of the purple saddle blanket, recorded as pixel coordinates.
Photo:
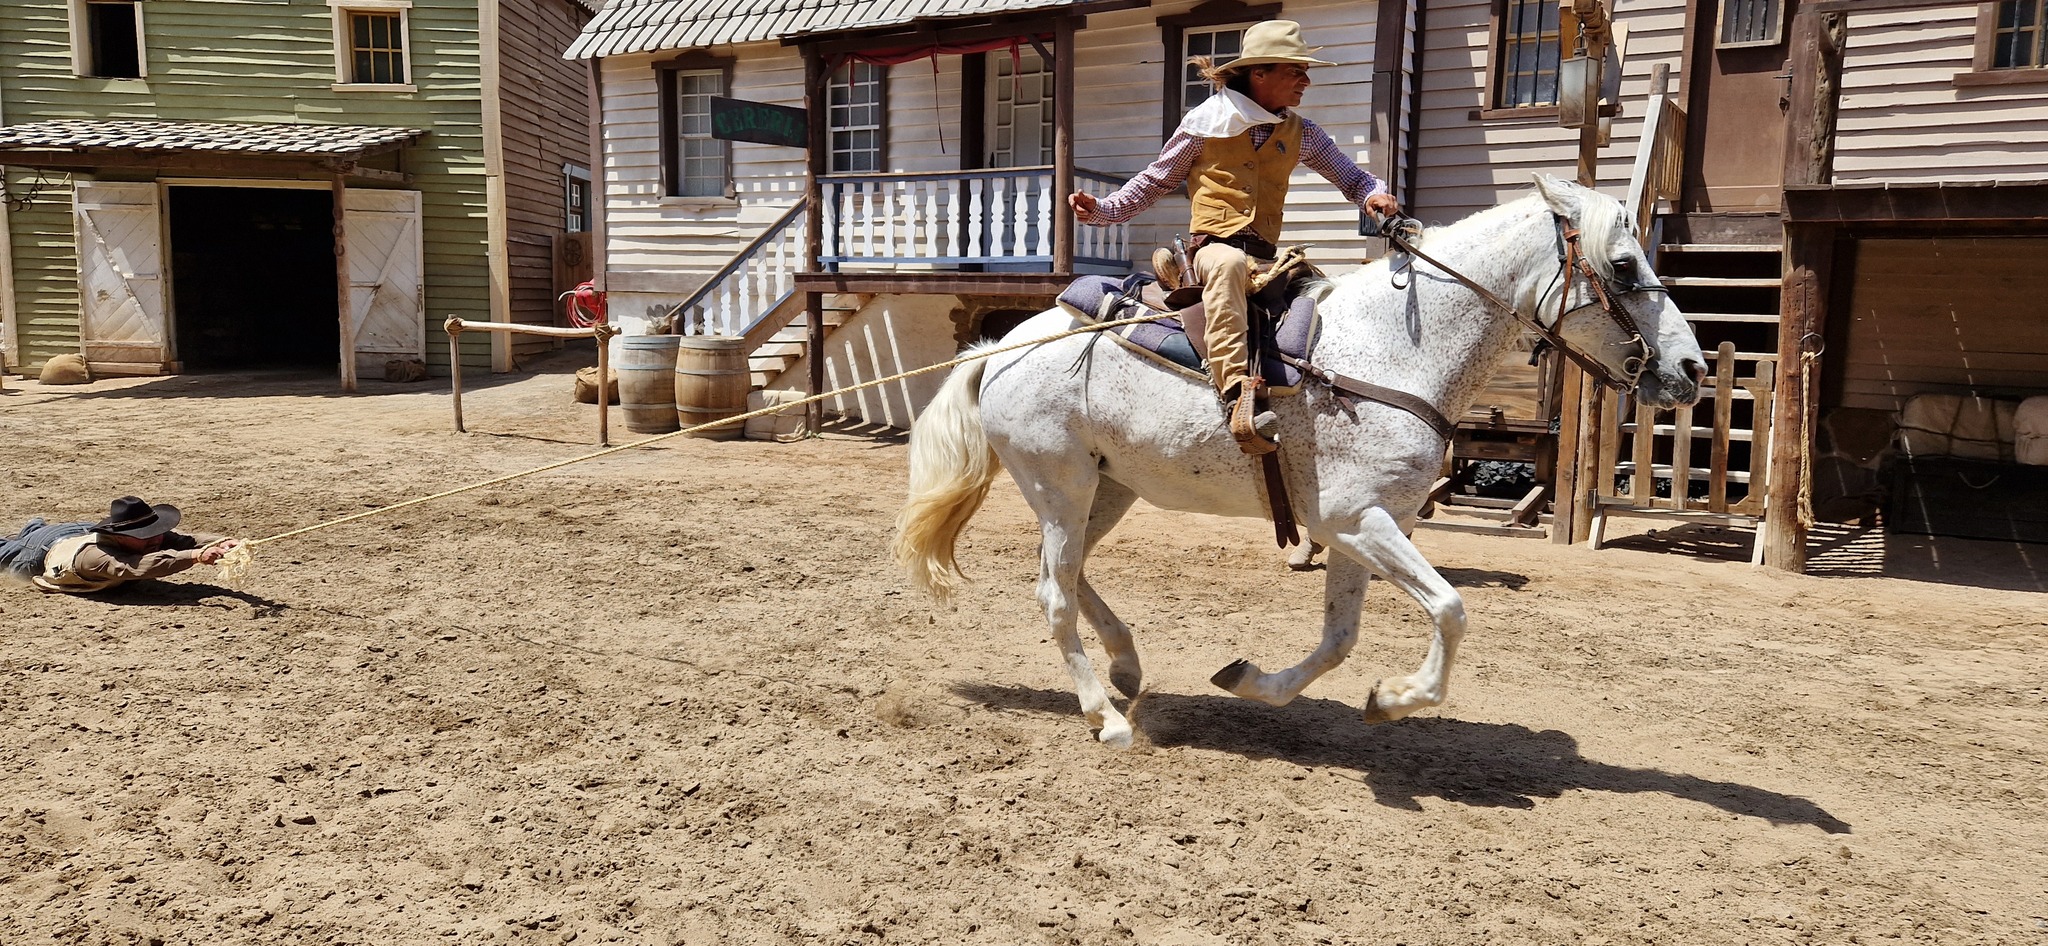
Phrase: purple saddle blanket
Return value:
(1107, 298)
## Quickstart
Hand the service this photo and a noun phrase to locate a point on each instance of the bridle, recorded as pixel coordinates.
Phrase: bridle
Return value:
(1571, 263)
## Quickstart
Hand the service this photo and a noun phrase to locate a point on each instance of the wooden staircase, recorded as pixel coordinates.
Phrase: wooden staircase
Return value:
(782, 349)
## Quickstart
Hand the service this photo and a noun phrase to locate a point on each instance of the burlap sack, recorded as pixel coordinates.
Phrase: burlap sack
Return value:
(586, 386)
(66, 369)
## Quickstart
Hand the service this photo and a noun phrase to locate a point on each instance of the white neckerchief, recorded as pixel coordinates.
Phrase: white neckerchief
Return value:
(1225, 115)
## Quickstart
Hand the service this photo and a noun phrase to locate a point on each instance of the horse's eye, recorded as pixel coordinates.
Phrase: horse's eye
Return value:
(1625, 267)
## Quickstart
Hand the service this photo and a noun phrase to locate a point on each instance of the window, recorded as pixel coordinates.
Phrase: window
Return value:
(370, 47)
(106, 38)
(1020, 113)
(575, 198)
(855, 103)
(693, 164)
(2019, 39)
(1529, 42)
(1751, 23)
(1214, 28)
(1221, 45)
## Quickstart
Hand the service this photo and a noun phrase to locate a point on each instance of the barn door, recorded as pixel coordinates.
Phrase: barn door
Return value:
(386, 275)
(120, 277)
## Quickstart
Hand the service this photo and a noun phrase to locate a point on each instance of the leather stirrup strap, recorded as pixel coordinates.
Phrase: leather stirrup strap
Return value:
(1373, 392)
(1284, 533)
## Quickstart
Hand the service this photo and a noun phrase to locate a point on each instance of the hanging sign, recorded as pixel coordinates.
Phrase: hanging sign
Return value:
(738, 120)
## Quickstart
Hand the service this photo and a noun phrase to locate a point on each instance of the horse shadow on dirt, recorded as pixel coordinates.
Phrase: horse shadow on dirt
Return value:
(1492, 765)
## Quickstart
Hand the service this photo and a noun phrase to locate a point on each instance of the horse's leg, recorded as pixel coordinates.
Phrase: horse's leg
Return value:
(1063, 523)
(1343, 591)
(1126, 672)
(1381, 545)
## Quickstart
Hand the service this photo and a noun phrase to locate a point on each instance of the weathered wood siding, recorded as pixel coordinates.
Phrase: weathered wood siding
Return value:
(1947, 315)
(45, 267)
(1465, 164)
(260, 62)
(544, 123)
(1904, 119)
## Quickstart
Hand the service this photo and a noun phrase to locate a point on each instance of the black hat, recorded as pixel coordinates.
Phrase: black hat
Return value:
(132, 517)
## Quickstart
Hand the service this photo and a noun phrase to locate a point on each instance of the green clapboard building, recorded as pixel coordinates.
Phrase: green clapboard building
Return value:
(199, 185)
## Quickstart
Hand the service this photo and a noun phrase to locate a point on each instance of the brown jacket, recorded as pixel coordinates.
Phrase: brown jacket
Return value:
(1234, 186)
(87, 564)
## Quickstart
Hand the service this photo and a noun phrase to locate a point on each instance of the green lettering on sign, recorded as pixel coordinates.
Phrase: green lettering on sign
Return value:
(738, 120)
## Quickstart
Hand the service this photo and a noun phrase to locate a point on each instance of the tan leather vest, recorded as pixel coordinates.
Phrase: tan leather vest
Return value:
(57, 574)
(1234, 185)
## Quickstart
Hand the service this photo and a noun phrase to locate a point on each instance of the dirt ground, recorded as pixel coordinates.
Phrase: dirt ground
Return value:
(678, 696)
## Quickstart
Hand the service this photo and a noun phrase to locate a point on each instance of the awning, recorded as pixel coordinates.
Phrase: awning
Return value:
(640, 26)
(171, 145)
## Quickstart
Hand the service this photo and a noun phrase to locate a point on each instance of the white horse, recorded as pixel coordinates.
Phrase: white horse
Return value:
(1086, 428)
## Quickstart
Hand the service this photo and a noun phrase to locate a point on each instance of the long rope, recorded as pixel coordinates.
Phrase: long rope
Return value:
(235, 563)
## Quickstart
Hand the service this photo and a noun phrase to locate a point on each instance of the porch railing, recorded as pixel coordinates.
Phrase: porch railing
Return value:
(1660, 157)
(991, 217)
(752, 284)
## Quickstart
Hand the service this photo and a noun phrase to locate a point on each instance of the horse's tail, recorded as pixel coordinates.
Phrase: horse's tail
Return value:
(951, 467)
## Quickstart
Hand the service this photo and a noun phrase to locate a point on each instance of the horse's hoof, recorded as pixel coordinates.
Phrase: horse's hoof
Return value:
(1232, 676)
(1129, 683)
(1116, 737)
(1373, 713)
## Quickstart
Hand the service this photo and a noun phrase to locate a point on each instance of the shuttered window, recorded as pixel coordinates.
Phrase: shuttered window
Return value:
(2019, 39)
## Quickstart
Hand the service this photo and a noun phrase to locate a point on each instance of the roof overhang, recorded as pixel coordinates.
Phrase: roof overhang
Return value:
(653, 26)
(269, 148)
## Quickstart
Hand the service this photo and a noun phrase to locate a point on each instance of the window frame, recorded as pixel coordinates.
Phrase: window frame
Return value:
(1777, 33)
(344, 48)
(1173, 32)
(82, 65)
(666, 74)
(572, 174)
(1983, 71)
(1489, 107)
(880, 128)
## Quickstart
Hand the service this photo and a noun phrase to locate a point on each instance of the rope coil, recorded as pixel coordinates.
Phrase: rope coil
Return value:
(237, 562)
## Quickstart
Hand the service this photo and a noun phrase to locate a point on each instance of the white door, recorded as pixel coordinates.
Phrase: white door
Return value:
(121, 324)
(386, 275)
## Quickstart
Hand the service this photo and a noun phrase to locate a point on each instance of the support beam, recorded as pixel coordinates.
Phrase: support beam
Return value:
(1818, 41)
(1803, 307)
(344, 307)
(1063, 144)
(814, 231)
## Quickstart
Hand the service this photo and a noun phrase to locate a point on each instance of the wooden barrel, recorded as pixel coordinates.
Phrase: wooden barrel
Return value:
(711, 384)
(647, 393)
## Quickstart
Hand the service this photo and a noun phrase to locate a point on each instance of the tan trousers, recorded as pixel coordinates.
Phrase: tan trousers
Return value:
(1226, 274)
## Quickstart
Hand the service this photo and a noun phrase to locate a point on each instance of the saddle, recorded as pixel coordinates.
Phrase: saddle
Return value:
(1286, 326)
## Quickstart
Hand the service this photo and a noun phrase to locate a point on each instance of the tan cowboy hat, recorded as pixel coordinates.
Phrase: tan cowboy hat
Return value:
(1272, 42)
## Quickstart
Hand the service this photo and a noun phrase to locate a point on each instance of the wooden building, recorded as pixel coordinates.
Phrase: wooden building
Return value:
(1818, 199)
(182, 177)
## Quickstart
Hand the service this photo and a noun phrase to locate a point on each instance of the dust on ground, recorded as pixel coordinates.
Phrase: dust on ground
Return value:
(678, 695)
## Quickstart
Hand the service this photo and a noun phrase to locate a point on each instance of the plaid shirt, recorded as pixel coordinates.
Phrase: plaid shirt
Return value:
(1177, 160)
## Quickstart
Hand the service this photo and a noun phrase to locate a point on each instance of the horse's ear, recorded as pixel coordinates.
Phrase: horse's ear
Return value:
(1559, 195)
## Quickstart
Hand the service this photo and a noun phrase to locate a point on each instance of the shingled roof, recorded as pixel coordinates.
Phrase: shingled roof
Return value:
(167, 137)
(640, 26)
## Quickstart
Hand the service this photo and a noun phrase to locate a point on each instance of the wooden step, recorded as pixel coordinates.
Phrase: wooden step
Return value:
(1720, 248)
(1724, 282)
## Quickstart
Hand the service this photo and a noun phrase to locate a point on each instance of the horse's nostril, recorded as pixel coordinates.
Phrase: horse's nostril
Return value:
(1698, 371)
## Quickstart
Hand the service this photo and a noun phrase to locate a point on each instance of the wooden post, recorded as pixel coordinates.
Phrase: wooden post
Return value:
(814, 236)
(454, 328)
(1579, 422)
(1063, 144)
(1818, 42)
(604, 387)
(344, 306)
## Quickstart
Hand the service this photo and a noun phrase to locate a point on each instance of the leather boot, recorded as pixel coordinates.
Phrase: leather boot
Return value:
(1252, 428)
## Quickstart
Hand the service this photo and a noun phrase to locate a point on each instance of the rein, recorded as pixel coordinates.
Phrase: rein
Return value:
(1571, 261)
